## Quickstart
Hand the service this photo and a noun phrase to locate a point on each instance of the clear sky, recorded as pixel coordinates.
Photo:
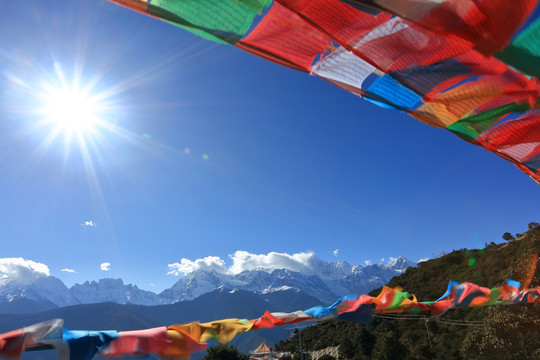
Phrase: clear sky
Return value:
(203, 150)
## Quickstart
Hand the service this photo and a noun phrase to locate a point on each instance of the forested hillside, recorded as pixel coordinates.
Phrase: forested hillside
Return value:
(495, 332)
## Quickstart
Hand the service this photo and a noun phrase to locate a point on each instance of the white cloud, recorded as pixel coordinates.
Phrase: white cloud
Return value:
(106, 266)
(208, 263)
(21, 271)
(243, 261)
(300, 262)
(335, 252)
(368, 262)
(423, 259)
(69, 271)
(382, 260)
(89, 223)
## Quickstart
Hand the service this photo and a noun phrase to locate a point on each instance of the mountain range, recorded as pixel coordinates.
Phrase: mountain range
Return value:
(321, 280)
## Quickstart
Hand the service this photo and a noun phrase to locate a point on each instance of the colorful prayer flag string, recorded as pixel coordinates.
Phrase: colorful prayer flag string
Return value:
(469, 66)
(180, 340)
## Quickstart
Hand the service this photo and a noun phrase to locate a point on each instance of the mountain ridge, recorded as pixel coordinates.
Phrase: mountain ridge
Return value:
(325, 281)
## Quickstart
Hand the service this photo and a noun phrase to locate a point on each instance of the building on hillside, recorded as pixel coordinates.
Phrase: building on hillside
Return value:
(263, 352)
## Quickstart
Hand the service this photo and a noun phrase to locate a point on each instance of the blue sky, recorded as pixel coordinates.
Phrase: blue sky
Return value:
(209, 150)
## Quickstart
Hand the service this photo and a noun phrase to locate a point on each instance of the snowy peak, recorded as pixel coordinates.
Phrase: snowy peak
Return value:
(40, 289)
(51, 289)
(400, 263)
(193, 285)
(112, 290)
(323, 280)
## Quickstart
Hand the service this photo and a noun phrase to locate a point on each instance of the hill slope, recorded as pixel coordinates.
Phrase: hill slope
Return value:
(496, 332)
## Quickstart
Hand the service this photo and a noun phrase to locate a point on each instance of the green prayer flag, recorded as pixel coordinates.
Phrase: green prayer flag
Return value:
(223, 21)
(524, 52)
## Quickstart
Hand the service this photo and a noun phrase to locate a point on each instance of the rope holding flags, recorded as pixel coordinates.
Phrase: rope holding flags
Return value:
(181, 340)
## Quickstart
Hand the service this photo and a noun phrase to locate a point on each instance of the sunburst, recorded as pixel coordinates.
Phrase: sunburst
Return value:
(71, 110)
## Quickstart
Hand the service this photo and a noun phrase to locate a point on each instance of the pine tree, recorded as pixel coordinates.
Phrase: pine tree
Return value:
(388, 347)
(366, 341)
(507, 332)
(347, 349)
(223, 352)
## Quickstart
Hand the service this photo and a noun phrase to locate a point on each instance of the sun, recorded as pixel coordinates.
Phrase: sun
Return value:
(75, 113)
(71, 111)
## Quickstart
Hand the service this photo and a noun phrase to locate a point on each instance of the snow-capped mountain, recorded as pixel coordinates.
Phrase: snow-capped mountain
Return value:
(258, 281)
(112, 290)
(323, 280)
(43, 289)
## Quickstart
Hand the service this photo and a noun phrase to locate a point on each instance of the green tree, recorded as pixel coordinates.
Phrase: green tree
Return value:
(388, 347)
(360, 357)
(223, 352)
(507, 236)
(533, 225)
(508, 332)
(347, 349)
(366, 341)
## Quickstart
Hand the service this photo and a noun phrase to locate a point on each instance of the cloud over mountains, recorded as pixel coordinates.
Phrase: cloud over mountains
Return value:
(302, 262)
(19, 270)
(186, 266)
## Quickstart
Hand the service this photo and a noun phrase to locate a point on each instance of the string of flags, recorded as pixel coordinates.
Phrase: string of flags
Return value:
(181, 340)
